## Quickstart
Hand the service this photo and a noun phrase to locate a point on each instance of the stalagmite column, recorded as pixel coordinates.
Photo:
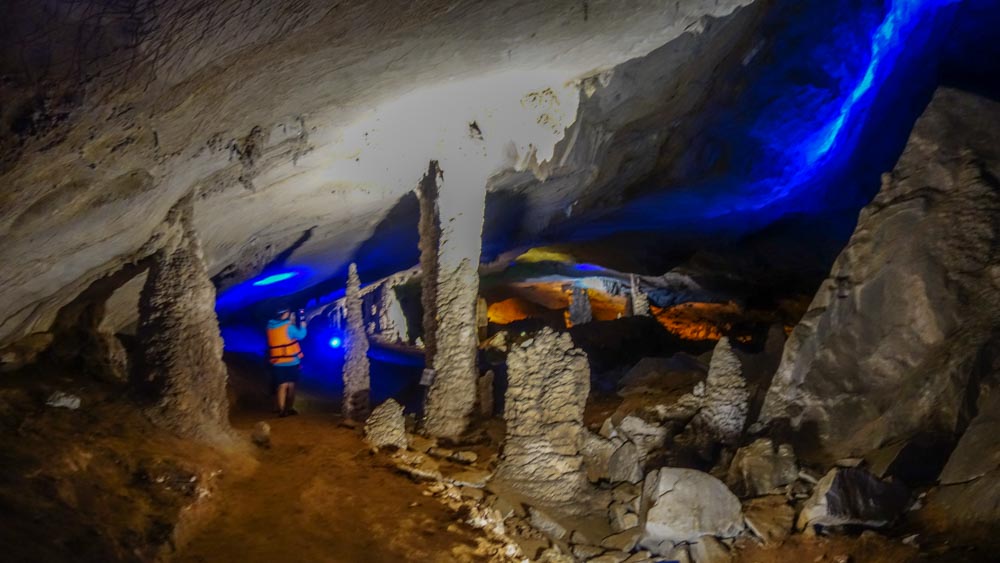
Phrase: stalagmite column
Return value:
(357, 383)
(451, 226)
(638, 299)
(548, 384)
(579, 306)
(179, 335)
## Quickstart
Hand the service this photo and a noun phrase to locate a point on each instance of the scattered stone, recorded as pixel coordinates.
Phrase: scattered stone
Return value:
(585, 552)
(420, 443)
(710, 550)
(759, 469)
(640, 557)
(261, 435)
(685, 504)
(627, 493)
(385, 427)
(624, 540)
(464, 456)
(548, 385)
(546, 524)
(62, 400)
(680, 553)
(770, 518)
(597, 453)
(439, 452)
(472, 493)
(625, 465)
(855, 497)
(620, 518)
(470, 478)
(507, 508)
(610, 557)
(647, 436)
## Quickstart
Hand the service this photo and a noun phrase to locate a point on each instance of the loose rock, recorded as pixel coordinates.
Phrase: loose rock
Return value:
(386, 427)
(685, 505)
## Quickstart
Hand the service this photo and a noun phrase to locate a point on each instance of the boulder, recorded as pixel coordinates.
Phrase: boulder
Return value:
(647, 436)
(597, 452)
(624, 540)
(889, 345)
(978, 451)
(853, 496)
(625, 464)
(385, 426)
(710, 550)
(684, 505)
(759, 468)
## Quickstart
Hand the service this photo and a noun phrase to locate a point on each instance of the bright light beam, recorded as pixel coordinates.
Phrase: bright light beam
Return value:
(273, 279)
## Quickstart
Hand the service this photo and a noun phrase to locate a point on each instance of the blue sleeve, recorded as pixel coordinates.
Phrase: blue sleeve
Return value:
(296, 333)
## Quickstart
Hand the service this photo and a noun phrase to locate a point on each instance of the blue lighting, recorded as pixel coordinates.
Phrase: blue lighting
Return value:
(588, 267)
(273, 279)
(336, 342)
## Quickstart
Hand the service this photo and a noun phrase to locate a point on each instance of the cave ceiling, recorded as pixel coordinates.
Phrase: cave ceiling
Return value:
(303, 127)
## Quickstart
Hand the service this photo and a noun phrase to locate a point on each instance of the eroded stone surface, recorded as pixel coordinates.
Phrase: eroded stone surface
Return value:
(853, 496)
(548, 384)
(684, 505)
(889, 344)
(760, 468)
(179, 336)
(386, 427)
(357, 385)
(724, 408)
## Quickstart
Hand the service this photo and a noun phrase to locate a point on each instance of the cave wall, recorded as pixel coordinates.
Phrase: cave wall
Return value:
(890, 345)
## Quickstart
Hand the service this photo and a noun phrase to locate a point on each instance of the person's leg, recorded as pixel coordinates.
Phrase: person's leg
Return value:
(282, 397)
(290, 399)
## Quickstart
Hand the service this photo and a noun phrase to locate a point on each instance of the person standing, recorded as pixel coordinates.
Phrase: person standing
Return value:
(285, 356)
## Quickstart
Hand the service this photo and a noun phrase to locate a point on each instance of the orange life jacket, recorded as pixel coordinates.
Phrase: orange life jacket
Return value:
(281, 348)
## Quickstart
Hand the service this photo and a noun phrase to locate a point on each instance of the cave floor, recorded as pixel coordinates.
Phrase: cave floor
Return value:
(320, 495)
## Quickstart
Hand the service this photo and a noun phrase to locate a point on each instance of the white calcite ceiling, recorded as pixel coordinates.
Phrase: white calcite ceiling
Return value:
(296, 117)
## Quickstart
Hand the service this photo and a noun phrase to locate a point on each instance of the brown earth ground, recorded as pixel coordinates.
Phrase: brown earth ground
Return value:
(101, 484)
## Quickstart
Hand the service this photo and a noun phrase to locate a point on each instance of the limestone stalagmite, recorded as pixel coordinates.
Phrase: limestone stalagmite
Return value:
(724, 411)
(638, 300)
(452, 215)
(357, 385)
(580, 311)
(179, 335)
(548, 385)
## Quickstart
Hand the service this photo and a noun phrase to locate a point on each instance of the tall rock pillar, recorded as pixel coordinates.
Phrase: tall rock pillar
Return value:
(451, 228)
(179, 335)
(357, 382)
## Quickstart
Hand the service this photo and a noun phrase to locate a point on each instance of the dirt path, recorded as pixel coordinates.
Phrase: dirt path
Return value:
(319, 495)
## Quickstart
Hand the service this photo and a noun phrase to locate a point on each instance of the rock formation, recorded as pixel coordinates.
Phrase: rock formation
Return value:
(760, 468)
(357, 385)
(386, 426)
(853, 496)
(548, 385)
(723, 412)
(179, 336)
(579, 306)
(452, 227)
(638, 301)
(682, 505)
(888, 347)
